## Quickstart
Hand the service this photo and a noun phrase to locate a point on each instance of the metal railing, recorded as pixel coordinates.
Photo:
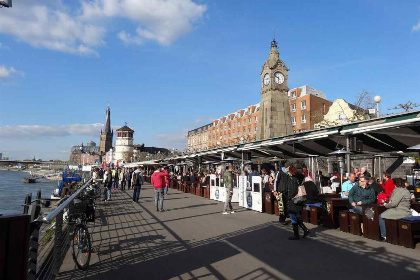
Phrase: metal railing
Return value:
(54, 226)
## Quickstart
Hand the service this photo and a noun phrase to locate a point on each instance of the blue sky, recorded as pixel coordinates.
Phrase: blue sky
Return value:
(169, 66)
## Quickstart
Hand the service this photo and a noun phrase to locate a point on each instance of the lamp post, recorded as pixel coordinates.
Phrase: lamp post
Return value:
(377, 100)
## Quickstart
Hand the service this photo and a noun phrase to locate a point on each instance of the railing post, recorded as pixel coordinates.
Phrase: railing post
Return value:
(33, 249)
(28, 200)
(58, 242)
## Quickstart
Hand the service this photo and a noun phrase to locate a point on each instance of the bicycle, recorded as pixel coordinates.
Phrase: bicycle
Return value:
(82, 212)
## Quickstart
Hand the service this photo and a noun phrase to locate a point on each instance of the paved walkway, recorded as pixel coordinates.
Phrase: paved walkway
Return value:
(193, 240)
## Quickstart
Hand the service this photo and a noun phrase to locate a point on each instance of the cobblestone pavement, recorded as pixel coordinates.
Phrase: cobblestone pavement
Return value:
(193, 240)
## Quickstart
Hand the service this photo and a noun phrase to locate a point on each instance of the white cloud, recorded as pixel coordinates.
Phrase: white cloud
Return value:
(197, 120)
(157, 20)
(82, 29)
(37, 131)
(9, 72)
(51, 28)
(128, 39)
(416, 27)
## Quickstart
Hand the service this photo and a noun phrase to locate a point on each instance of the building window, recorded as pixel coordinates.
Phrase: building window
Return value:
(294, 95)
(303, 118)
(293, 120)
(303, 104)
(249, 120)
(244, 123)
(239, 123)
(256, 119)
(234, 126)
(294, 107)
(243, 133)
(255, 129)
(249, 131)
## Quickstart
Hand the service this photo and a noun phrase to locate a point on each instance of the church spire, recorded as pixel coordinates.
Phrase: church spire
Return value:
(274, 53)
(107, 126)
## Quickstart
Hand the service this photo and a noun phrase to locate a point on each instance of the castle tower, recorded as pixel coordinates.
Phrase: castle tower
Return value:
(274, 119)
(106, 134)
(124, 148)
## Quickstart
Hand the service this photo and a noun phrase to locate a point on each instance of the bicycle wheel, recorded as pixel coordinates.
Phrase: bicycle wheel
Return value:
(81, 246)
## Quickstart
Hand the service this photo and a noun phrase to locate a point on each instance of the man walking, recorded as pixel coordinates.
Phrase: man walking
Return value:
(115, 178)
(107, 185)
(127, 176)
(158, 181)
(228, 181)
(136, 182)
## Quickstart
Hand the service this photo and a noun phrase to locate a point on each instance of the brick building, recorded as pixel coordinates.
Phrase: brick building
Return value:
(242, 125)
(307, 106)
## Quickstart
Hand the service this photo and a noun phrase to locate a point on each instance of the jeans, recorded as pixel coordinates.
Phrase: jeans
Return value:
(108, 191)
(136, 193)
(308, 206)
(166, 189)
(382, 226)
(228, 201)
(357, 209)
(128, 184)
(115, 183)
(105, 193)
(159, 198)
(122, 185)
(294, 218)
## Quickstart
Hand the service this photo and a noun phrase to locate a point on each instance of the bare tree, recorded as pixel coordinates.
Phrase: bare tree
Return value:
(364, 101)
(407, 106)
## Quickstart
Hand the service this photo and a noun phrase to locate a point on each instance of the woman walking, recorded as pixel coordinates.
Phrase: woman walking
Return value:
(295, 180)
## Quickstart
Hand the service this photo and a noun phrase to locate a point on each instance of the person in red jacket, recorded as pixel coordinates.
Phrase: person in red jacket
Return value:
(166, 187)
(388, 186)
(158, 182)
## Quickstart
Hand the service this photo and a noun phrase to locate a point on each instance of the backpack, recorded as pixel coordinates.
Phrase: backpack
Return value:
(136, 179)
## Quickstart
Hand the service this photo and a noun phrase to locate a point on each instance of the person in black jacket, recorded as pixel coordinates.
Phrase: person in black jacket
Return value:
(280, 186)
(312, 194)
(375, 186)
(295, 210)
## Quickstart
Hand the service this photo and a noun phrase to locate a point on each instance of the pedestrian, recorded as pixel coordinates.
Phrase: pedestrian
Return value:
(115, 178)
(281, 193)
(158, 181)
(122, 179)
(295, 209)
(137, 182)
(228, 182)
(127, 176)
(107, 184)
(165, 172)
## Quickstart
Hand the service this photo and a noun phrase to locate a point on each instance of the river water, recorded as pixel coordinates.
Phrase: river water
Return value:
(13, 190)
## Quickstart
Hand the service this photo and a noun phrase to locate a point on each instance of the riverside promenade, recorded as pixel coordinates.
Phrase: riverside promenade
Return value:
(193, 240)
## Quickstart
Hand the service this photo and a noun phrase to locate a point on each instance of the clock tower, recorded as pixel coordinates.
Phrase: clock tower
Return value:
(274, 118)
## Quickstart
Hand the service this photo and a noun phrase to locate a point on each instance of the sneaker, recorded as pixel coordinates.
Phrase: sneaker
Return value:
(232, 212)
(162, 210)
(225, 213)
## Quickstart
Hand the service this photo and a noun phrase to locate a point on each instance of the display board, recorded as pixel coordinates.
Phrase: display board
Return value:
(242, 183)
(213, 186)
(221, 191)
(252, 198)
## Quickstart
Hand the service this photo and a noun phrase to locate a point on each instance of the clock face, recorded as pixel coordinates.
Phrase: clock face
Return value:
(267, 79)
(278, 78)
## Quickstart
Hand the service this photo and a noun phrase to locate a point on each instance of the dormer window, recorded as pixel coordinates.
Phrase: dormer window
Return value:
(294, 95)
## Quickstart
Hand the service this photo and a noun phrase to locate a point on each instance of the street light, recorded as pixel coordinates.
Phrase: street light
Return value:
(377, 100)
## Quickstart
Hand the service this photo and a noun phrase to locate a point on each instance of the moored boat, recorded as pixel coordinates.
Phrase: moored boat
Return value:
(29, 180)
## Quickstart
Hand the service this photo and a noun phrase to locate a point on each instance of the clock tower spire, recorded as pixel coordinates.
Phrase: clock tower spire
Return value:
(274, 117)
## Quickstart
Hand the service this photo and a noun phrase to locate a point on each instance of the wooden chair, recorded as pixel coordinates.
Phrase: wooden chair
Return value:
(344, 221)
(355, 223)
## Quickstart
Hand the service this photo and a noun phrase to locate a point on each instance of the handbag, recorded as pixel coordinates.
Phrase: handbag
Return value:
(300, 197)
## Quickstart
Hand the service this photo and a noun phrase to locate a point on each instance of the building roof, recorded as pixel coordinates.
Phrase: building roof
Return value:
(125, 128)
